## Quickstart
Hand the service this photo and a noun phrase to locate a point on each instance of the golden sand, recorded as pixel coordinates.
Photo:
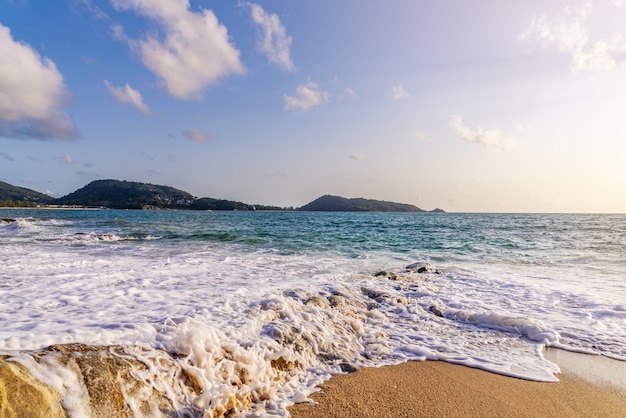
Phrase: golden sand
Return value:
(439, 389)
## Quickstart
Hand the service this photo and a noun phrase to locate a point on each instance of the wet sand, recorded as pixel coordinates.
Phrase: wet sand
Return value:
(439, 389)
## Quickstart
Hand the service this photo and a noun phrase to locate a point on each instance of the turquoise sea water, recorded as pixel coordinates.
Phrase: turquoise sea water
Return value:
(304, 287)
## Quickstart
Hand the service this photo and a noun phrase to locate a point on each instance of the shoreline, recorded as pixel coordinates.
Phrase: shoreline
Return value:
(596, 369)
(53, 208)
(440, 389)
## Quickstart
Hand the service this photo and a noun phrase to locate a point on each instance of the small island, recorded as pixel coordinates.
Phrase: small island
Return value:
(330, 203)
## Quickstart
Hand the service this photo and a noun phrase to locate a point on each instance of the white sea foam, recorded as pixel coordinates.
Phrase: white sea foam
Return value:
(95, 237)
(277, 322)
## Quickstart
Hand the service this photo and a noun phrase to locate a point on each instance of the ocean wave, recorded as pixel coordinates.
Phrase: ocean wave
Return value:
(527, 327)
(15, 224)
(96, 237)
(247, 313)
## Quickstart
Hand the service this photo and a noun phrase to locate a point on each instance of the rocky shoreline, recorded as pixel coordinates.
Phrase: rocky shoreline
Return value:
(98, 381)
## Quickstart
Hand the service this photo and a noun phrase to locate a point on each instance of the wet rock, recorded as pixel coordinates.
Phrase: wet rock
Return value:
(386, 274)
(284, 365)
(343, 302)
(378, 296)
(423, 268)
(7, 220)
(318, 301)
(348, 368)
(22, 395)
(436, 311)
(109, 373)
(110, 376)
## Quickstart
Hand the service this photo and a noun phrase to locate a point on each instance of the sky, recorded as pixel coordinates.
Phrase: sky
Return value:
(482, 106)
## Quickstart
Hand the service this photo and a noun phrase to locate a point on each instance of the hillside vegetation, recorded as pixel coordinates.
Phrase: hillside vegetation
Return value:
(119, 194)
(116, 194)
(207, 203)
(21, 197)
(341, 204)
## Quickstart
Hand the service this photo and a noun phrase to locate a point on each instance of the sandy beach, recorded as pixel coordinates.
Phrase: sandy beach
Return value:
(439, 389)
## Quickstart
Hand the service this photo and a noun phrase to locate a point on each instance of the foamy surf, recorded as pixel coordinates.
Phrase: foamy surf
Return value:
(247, 313)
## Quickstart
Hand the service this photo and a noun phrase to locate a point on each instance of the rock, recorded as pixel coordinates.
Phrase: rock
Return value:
(378, 296)
(436, 311)
(417, 266)
(8, 220)
(284, 365)
(348, 368)
(22, 395)
(386, 274)
(110, 376)
(423, 268)
(343, 302)
(318, 301)
(108, 372)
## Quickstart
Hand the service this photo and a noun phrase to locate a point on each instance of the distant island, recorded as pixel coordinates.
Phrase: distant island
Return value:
(330, 203)
(120, 194)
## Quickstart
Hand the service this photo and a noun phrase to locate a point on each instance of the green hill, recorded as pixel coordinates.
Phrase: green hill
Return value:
(19, 196)
(208, 203)
(116, 194)
(330, 203)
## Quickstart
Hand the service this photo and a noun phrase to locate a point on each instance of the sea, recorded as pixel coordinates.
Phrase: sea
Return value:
(293, 298)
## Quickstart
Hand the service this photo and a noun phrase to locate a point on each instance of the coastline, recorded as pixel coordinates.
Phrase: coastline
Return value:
(54, 207)
(440, 389)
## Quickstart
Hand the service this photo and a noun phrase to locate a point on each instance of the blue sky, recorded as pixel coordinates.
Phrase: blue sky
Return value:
(467, 106)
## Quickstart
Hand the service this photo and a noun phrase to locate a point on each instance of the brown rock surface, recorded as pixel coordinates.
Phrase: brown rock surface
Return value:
(120, 381)
(21, 395)
(109, 375)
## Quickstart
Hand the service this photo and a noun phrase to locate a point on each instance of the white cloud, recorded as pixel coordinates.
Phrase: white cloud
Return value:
(491, 139)
(65, 158)
(567, 33)
(86, 6)
(421, 136)
(195, 50)
(398, 93)
(127, 94)
(358, 156)
(347, 94)
(273, 39)
(307, 96)
(31, 93)
(197, 135)
(117, 32)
